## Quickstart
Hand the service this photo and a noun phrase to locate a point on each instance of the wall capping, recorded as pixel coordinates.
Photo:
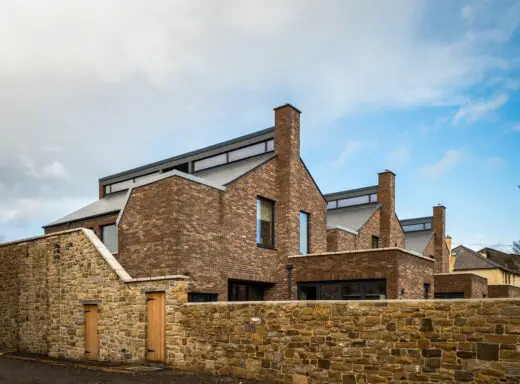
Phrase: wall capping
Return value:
(364, 251)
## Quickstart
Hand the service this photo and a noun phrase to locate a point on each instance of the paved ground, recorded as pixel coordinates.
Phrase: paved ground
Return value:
(13, 371)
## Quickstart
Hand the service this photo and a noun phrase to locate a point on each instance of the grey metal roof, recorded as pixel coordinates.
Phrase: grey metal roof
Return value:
(351, 217)
(417, 220)
(418, 240)
(227, 173)
(466, 258)
(350, 193)
(109, 204)
(211, 150)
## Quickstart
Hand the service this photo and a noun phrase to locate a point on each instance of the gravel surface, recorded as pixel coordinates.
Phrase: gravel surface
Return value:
(14, 371)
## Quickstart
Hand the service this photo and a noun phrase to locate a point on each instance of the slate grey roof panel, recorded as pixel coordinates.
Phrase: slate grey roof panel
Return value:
(418, 240)
(351, 217)
(466, 258)
(108, 204)
(417, 220)
(227, 173)
(350, 193)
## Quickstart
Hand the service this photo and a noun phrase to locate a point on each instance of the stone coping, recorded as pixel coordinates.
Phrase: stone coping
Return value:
(508, 285)
(373, 303)
(416, 254)
(460, 273)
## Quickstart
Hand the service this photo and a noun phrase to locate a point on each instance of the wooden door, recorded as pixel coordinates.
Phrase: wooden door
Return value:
(155, 343)
(91, 332)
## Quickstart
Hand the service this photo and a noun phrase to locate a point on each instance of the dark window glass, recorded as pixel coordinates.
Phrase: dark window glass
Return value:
(374, 289)
(244, 291)
(449, 295)
(331, 292)
(265, 222)
(352, 291)
(426, 290)
(109, 237)
(304, 233)
(375, 242)
(202, 297)
(308, 292)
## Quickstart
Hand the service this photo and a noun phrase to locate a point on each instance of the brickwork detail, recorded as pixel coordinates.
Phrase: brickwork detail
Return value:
(472, 285)
(503, 290)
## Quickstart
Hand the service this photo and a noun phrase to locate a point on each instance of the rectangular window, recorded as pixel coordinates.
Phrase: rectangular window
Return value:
(122, 185)
(245, 291)
(109, 237)
(343, 290)
(426, 290)
(375, 242)
(202, 297)
(245, 152)
(353, 201)
(304, 233)
(270, 145)
(449, 295)
(210, 162)
(332, 204)
(373, 197)
(264, 222)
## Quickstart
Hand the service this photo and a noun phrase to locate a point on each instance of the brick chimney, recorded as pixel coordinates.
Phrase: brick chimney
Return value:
(451, 258)
(287, 149)
(442, 263)
(386, 197)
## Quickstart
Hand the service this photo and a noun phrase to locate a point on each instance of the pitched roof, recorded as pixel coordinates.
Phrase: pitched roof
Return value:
(353, 217)
(215, 177)
(351, 193)
(466, 258)
(508, 260)
(417, 241)
(229, 172)
(109, 204)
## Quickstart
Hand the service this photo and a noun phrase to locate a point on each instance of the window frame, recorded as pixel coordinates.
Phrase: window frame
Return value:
(273, 224)
(427, 287)
(102, 237)
(191, 295)
(318, 285)
(308, 243)
(376, 240)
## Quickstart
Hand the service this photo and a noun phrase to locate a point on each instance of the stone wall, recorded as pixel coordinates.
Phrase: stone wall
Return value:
(405, 272)
(472, 285)
(45, 283)
(503, 290)
(354, 342)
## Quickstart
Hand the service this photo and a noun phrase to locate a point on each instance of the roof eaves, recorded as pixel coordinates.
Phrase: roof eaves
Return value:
(342, 228)
(251, 170)
(333, 195)
(313, 180)
(54, 224)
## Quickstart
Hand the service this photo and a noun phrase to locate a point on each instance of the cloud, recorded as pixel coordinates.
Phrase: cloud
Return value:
(473, 111)
(93, 88)
(450, 159)
(494, 164)
(398, 157)
(351, 148)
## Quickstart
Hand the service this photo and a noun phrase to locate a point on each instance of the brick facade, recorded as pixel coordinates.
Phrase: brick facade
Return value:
(441, 252)
(503, 290)
(473, 286)
(404, 272)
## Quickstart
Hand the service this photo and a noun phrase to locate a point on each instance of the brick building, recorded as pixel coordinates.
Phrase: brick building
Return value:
(245, 220)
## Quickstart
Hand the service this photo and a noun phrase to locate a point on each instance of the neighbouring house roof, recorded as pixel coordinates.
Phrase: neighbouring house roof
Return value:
(351, 193)
(229, 172)
(249, 139)
(507, 260)
(417, 241)
(466, 258)
(417, 220)
(109, 204)
(353, 217)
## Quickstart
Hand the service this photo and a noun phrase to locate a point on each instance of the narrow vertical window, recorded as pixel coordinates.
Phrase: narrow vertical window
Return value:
(264, 222)
(426, 290)
(109, 237)
(304, 233)
(375, 242)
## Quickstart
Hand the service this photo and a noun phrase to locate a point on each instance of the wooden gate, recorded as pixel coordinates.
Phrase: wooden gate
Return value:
(91, 332)
(155, 345)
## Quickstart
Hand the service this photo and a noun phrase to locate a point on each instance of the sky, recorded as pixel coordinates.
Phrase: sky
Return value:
(428, 89)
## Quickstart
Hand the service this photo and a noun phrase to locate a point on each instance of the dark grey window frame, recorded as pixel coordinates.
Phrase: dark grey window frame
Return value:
(340, 283)
(210, 296)
(375, 239)
(308, 232)
(273, 226)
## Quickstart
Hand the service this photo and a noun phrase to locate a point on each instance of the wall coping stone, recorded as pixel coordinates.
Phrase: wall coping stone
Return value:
(416, 254)
(461, 273)
(372, 303)
(342, 228)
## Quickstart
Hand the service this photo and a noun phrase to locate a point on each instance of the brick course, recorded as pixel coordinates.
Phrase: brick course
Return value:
(503, 290)
(472, 285)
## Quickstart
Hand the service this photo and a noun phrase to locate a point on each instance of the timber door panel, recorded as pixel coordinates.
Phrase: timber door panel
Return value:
(91, 332)
(155, 340)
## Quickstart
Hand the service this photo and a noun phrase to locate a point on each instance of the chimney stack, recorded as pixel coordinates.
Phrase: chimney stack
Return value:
(442, 262)
(386, 197)
(287, 133)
